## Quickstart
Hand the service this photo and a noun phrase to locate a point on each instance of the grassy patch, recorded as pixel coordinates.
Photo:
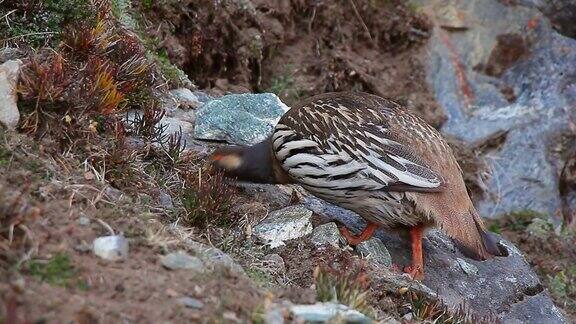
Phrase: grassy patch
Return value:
(348, 288)
(427, 311)
(285, 87)
(514, 221)
(207, 200)
(260, 277)
(39, 23)
(57, 271)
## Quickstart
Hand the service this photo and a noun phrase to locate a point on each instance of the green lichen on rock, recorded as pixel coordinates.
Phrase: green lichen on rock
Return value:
(40, 23)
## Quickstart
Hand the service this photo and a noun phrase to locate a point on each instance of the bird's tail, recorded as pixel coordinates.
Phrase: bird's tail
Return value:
(488, 245)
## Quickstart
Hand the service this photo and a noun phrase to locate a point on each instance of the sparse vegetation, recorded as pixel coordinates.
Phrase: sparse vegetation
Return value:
(56, 271)
(347, 285)
(551, 254)
(207, 199)
(427, 311)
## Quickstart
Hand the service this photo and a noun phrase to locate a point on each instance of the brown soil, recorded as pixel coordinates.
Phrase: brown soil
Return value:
(298, 48)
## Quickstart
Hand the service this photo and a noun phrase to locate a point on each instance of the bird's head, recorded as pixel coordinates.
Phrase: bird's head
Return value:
(244, 163)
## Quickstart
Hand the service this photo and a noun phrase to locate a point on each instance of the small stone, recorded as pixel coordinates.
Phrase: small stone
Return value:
(239, 118)
(83, 221)
(181, 260)
(375, 252)
(274, 314)
(9, 113)
(186, 97)
(191, 302)
(324, 312)
(285, 224)
(231, 317)
(326, 234)
(113, 193)
(468, 268)
(165, 200)
(276, 262)
(171, 292)
(215, 256)
(451, 18)
(112, 248)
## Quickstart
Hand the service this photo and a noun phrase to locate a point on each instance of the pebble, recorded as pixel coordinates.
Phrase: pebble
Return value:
(326, 234)
(285, 224)
(186, 97)
(83, 221)
(215, 256)
(112, 248)
(468, 268)
(324, 312)
(9, 113)
(181, 260)
(191, 302)
(375, 252)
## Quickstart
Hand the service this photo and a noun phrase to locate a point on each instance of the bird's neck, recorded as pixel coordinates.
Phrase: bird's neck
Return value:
(261, 166)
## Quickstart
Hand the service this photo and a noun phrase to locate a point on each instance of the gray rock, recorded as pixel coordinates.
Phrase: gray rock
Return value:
(506, 286)
(214, 256)
(113, 193)
(468, 268)
(191, 302)
(112, 248)
(165, 199)
(83, 221)
(276, 262)
(375, 252)
(9, 53)
(186, 97)
(326, 234)
(9, 74)
(274, 315)
(239, 118)
(324, 312)
(529, 96)
(285, 224)
(181, 260)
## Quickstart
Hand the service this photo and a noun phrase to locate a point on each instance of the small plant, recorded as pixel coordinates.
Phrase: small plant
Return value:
(562, 287)
(15, 213)
(434, 311)
(57, 271)
(206, 199)
(347, 285)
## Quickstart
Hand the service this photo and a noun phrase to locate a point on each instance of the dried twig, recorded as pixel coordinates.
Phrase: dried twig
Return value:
(366, 30)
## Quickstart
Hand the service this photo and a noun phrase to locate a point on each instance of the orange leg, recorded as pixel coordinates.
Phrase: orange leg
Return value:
(365, 235)
(416, 269)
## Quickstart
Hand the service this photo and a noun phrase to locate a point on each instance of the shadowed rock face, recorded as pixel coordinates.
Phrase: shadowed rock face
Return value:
(505, 286)
(507, 72)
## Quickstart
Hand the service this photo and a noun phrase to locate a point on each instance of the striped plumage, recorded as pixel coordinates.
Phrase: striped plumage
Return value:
(370, 155)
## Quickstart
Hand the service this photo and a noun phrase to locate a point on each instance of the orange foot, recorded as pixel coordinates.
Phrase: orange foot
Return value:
(365, 235)
(415, 272)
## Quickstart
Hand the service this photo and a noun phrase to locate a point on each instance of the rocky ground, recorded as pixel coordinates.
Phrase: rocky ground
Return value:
(109, 108)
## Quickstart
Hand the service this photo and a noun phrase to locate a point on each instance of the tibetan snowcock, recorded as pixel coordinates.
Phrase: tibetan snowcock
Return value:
(372, 156)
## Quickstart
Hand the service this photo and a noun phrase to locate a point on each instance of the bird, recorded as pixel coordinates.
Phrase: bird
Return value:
(370, 155)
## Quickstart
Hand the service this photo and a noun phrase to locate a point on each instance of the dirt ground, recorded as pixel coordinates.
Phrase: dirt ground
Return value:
(53, 203)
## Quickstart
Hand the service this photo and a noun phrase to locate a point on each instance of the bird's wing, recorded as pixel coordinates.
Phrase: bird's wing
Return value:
(329, 146)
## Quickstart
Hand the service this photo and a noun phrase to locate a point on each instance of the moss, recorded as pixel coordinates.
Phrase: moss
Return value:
(260, 277)
(57, 271)
(172, 73)
(40, 23)
(284, 86)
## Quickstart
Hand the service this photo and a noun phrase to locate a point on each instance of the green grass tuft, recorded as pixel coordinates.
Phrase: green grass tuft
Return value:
(57, 271)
